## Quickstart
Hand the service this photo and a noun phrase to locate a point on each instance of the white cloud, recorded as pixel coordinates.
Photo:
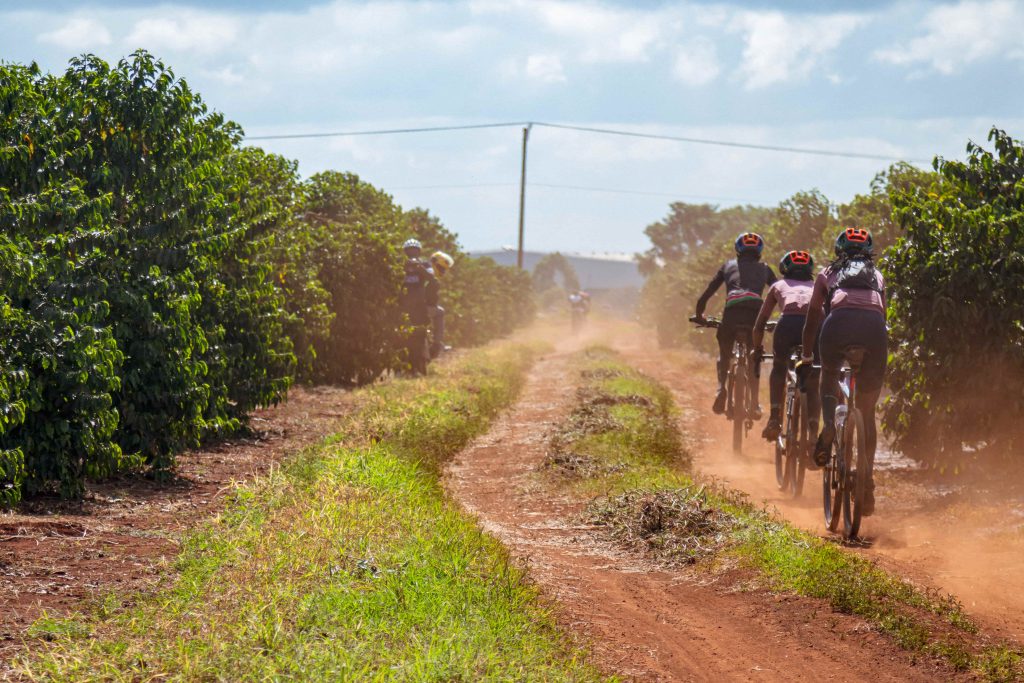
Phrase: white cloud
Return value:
(696, 63)
(545, 68)
(781, 47)
(199, 32)
(79, 33)
(957, 35)
(597, 33)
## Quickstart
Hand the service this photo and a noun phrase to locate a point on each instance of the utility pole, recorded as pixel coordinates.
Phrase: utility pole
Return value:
(522, 197)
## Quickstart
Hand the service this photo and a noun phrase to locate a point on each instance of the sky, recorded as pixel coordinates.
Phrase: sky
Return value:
(905, 79)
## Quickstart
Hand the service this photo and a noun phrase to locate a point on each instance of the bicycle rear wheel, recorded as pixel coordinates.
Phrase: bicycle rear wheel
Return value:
(792, 444)
(739, 407)
(781, 444)
(831, 486)
(857, 475)
(799, 447)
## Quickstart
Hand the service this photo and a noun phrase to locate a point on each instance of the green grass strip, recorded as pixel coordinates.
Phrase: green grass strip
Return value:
(622, 440)
(347, 564)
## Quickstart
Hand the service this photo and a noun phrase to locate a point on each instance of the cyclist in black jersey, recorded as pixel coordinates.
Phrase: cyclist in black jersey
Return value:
(745, 278)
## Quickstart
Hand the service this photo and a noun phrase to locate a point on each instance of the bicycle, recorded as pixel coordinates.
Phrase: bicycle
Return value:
(847, 471)
(739, 387)
(794, 442)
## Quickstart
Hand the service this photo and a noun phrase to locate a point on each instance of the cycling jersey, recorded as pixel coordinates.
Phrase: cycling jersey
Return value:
(793, 296)
(857, 298)
(744, 280)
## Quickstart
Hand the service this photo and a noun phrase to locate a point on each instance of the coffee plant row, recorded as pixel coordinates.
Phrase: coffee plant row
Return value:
(158, 280)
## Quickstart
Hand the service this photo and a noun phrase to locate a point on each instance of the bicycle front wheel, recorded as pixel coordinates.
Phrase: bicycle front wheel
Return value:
(857, 474)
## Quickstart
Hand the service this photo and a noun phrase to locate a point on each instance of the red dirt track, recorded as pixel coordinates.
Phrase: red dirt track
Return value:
(643, 623)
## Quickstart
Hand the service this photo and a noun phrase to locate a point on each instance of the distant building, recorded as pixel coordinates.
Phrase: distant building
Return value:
(595, 271)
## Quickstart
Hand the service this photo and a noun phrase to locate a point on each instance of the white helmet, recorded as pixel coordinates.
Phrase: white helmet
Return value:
(412, 243)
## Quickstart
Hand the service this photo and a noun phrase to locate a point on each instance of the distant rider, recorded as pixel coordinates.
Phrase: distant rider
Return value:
(440, 264)
(418, 279)
(745, 278)
(851, 292)
(792, 294)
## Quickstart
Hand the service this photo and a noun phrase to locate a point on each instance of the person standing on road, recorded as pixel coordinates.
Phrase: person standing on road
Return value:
(418, 279)
(440, 264)
(792, 294)
(851, 293)
(745, 278)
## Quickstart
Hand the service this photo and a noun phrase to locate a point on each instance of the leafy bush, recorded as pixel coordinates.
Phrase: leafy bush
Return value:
(957, 316)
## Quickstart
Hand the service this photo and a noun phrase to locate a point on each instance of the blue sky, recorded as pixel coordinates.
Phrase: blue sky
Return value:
(907, 79)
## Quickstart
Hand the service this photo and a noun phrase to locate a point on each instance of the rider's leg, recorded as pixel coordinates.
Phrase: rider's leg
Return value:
(787, 334)
(725, 336)
(831, 343)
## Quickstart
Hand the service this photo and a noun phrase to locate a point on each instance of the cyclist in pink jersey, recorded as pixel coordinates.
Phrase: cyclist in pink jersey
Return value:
(852, 294)
(792, 294)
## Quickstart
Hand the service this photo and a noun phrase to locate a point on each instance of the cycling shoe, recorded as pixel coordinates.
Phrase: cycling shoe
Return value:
(772, 429)
(824, 445)
(719, 406)
(756, 413)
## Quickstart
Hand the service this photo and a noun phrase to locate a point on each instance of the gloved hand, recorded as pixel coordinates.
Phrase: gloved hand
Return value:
(804, 367)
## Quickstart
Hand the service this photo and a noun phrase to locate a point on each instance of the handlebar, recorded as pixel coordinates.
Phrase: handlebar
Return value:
(705, 322)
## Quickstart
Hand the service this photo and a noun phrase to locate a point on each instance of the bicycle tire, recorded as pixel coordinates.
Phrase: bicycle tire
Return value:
(739, 411)
(781, 471)
(802, 446)
(857, 476)
(832, 495)
(792, 446)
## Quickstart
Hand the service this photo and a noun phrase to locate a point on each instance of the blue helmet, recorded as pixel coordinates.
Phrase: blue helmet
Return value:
(749, 243)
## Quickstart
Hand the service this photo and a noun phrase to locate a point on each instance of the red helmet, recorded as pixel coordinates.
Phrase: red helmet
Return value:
(853, 242)
(796, 262)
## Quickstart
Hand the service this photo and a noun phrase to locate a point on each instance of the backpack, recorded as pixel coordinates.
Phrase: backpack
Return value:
(853, 274)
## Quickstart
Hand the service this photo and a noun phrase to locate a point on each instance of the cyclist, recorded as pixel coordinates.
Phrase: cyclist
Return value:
(745, 278)
(793, 295)
(851, 294)
(440, 264)
(418, 279)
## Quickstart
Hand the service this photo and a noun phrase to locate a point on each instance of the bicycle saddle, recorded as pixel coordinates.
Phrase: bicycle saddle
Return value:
(855, 355)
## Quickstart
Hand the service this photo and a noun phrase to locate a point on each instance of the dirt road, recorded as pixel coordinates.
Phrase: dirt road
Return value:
(641, 623)
(964, 539)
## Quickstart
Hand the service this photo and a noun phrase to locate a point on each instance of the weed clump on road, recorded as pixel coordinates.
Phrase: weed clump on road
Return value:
(675, 526)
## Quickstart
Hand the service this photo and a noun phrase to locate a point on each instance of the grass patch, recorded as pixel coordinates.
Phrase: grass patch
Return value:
(624, 425)
(349, 563)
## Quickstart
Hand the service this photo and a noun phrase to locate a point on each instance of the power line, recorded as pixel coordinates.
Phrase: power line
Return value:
(384, 131)
(729, 143)
(601, 131)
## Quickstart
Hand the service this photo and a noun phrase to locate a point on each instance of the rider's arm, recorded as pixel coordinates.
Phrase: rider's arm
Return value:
(815, 311)
(716, 282)
(762, 317)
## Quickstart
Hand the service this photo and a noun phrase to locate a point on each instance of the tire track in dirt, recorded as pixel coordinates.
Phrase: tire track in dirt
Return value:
(643, 623)
(962, 543)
